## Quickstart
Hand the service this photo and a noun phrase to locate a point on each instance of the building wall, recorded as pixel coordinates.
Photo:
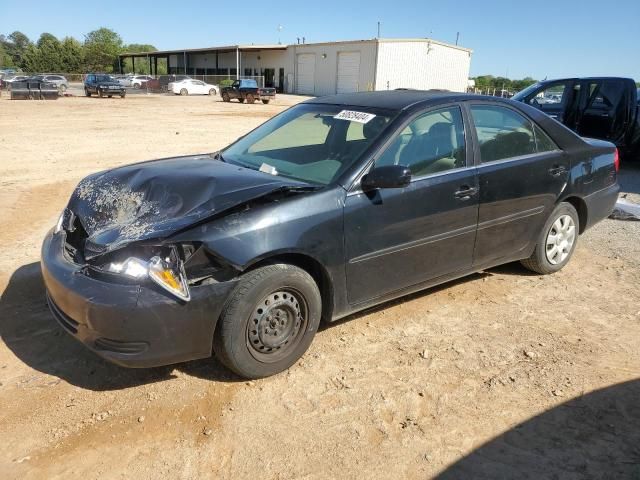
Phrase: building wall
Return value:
(422, 65)
(326, 71)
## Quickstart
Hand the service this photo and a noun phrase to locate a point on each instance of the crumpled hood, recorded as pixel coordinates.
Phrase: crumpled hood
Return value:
(151, 200)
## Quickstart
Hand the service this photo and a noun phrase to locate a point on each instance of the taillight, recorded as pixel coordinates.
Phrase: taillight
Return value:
(616, 160)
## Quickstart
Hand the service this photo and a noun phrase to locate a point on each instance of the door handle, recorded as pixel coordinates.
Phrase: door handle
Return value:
(465, 192)
(557, 170)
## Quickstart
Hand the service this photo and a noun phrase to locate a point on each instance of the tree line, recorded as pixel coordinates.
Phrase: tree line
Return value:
(489, 82)
(97, 53)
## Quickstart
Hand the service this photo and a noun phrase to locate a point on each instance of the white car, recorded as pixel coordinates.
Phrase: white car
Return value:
(190, 86)
(138, 80)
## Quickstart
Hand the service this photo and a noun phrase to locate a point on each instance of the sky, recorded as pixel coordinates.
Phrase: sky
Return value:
(541, 39)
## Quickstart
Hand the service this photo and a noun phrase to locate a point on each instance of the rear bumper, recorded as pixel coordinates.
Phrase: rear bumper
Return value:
(600, 204)
(130, 325)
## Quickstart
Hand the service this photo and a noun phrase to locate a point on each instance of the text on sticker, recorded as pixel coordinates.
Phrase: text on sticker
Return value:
(360, 117)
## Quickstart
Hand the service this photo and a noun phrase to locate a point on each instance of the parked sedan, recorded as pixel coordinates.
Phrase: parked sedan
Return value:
(335, 205)
(189, 86)
(59, 81)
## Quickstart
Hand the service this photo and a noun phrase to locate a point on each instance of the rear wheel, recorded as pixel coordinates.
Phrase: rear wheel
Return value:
(269, 321)
(136, 86)
(265, 101)
(184, 92)
(557, 241)
(250, 98)
(110, 96)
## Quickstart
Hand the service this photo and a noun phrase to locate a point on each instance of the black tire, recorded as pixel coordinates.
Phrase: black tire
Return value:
(271, 298)
(100, 94)
(122, 95)
(251, 98)
(110, 96)
(265, 102)
(63, 88)
(137, 86)
(184, 92)
(87, 93)
(539, 261)
(225, 97)
(241, 100)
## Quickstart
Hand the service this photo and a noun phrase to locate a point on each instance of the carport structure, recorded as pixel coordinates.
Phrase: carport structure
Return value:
(226, 60)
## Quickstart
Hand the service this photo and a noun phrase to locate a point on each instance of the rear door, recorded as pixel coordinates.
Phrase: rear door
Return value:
(606, 110)
(521, 174)
(400, 237)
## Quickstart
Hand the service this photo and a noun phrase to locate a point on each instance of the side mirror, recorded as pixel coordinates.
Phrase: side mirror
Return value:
(388, 176)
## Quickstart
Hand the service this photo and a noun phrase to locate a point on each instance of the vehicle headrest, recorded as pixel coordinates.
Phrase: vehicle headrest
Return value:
(373, 127)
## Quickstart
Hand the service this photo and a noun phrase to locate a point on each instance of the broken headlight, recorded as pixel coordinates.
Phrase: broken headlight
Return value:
(167, 273)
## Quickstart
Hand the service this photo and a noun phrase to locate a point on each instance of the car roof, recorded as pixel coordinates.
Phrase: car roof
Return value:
(396, 99)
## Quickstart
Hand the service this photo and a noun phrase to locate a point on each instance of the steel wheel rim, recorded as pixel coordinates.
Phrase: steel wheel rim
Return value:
(560, 240)
(276, 326)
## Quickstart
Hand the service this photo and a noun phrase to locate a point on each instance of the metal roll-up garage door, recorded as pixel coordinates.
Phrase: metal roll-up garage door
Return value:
(305, 84)
(348, 72)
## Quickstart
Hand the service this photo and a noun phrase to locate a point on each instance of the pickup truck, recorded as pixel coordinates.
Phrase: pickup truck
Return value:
(248, 90)
(605, 108)
(103, 85)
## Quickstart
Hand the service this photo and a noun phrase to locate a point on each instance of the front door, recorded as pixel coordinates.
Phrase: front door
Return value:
(397, 238)
(558, 100)
(521, 175)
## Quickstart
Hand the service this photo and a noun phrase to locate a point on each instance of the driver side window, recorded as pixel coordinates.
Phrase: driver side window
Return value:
(432, 143)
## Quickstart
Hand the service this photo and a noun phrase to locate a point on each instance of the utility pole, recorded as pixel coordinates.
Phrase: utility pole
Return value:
(457, 38)
(378, 30)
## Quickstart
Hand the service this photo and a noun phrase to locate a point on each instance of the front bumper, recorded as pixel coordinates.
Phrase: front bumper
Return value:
(130, 325)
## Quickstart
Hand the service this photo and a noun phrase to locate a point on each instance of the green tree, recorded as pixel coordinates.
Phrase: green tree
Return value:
(15, 46)
(101, 49)
(142, 66)
(71, 55)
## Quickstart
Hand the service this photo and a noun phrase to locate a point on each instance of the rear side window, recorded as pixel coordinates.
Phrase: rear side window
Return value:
(502, 133)
(543, 141)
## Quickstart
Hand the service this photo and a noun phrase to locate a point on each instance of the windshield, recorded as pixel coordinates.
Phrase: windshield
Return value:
(104, 78)
(525, 93)
(310, 142)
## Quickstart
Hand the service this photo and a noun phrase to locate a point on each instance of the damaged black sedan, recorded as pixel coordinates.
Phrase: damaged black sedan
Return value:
(335, 205)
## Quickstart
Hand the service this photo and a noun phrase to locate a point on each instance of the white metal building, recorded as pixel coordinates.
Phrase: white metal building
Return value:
(331, 67)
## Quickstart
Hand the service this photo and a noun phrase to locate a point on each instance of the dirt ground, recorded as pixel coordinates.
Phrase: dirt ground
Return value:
(503, 374)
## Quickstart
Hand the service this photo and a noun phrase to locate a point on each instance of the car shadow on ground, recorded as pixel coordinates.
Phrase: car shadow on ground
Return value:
(596, 435)
(30, 331)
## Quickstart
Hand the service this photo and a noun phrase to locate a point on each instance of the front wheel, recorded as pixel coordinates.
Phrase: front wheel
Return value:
(184, 92)
(250, 98)
(241, 100)
(87, 93)
(225, 97)
(269, 321)
(212, 92)
(556, 242)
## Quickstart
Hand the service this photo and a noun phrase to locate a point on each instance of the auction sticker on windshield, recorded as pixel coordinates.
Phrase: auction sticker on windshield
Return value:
(360, 117)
